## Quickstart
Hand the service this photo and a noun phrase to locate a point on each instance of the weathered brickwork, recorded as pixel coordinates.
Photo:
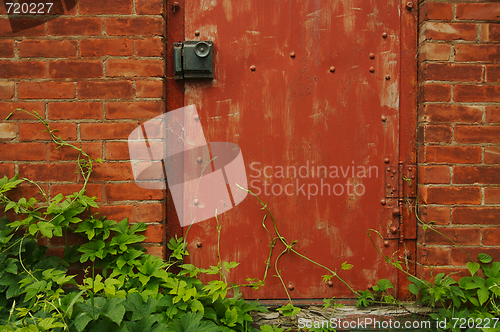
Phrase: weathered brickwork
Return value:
(98, 71)
(459, 131)
(94, 74)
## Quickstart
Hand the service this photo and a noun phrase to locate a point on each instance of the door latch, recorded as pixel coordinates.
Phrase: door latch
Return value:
(193, 59)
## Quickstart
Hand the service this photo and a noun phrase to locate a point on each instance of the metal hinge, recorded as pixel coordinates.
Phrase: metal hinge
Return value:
(401, 186)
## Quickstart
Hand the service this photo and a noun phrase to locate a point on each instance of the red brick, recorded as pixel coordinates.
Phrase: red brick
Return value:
(115, 212)
(102, 47)
(150, 47)
(437, 215)
(158, 251)
(472, 175)
(492, 73)
(8, 131)
(68, 189)
(450, 72)
(130, 191)
(23, 69)
(155, 233)
(116, 151)
(464, 236)
(492, 155)
(46, 90)
(435, 133)
(149, 7)
(434, 256)
(458, 257)
(450, 113)
(477, 93)
(477, 134)
(435, 92)
(7, 90)
(490, 32)
(492, 196)
(23, 151)
(491, 236)
(75, 69)
(470, 52)
(435, 11)
(98, 131)
(112, 172)
(72, 26)
(7, 170)
(434, 175)
(48, 48)
(105, 90)
(150, 212)
(75, 110)
(476, 215)
(149, 89)
(49, 172)
(451, 154)
(134, 110)
(135, 26)
(23, 27)
(104, 7)
(447, 31)
(94, 150)
(8, 108)
(28, 191)
(35, 131)
(434, 51)
(450, 195)
(6, 48)
(478, 11)
(134, 68)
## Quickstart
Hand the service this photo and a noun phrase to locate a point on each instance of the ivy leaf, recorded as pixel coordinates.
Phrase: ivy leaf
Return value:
(231, 317)
(46, 228)
(484, 258)
(346, 266)
(473, 267)
(92, 250)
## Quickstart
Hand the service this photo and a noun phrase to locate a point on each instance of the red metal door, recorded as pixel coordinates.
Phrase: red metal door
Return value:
(314, 95)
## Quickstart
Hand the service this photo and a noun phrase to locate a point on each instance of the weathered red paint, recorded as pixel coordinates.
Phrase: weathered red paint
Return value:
(339, 101)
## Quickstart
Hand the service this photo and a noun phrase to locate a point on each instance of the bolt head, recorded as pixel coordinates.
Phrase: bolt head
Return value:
(387, 77)
(394, 229)
(196, 202)
(388, 185)
(386, 160)
(290, 287)
(395, 212)
(332, 69)
(386, 243)
(330, 283)
(199, 244)
(175, 6)
(370, 287)
(409, 5)
(292, 54)
(384, 35)
(372, 69)
(383, 202)
(200, 159)
(252, 68)
(383, 118)
(196, 33)
(372, 56)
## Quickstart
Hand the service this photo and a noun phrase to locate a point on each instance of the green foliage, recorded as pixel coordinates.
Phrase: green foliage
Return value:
(134, 292)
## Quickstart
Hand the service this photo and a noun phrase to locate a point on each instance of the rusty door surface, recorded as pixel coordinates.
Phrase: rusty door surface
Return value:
(319, 95)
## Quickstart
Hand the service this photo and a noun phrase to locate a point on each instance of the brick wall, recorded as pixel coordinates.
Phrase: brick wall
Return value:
(459, 131)
(94, 74)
